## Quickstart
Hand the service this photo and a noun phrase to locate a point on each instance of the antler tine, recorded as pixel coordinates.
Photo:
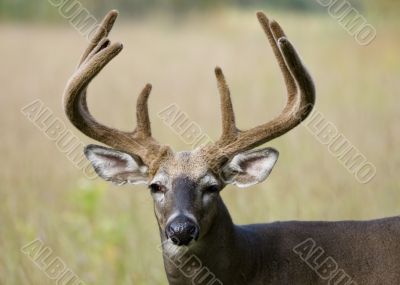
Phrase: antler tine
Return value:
(101, 33)
(98, 43)
(142, 113)
(139, 142)
(300, 100)
(229, 130)
(306, 93)
(274, 32)
(74, 105)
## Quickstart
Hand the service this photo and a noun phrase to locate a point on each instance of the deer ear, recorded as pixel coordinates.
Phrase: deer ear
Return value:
(116, 166)
(250, 167)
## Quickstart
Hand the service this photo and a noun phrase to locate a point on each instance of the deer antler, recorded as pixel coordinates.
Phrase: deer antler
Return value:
(98, 54)
(300, 101)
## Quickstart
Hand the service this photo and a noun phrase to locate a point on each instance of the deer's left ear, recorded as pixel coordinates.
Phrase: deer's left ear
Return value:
(116, 166)
(250, 167)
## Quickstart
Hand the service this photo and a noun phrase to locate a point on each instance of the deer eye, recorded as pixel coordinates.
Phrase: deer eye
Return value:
(156, 188)
(212, 189)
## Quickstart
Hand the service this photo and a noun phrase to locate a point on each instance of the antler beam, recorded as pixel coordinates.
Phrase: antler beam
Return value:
(300, 101)
(98, 54)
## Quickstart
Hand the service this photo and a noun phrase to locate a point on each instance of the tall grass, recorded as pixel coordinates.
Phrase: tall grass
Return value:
(107, 234)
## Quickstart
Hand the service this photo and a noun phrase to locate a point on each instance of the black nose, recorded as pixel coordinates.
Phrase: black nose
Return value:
(182, 230)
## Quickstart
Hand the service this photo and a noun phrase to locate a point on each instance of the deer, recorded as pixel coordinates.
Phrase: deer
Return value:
(200, 243)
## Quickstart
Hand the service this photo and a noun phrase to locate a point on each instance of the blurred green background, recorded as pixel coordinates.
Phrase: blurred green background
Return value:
(41, 10)
(107, 234)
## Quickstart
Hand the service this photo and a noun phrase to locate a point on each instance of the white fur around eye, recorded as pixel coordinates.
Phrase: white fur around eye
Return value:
(161, 178)
(208, 180)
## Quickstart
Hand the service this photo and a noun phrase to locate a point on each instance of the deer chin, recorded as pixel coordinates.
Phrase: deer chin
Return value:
(171, 249)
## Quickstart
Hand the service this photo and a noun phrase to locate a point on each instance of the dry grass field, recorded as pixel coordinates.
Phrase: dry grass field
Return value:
(107, 234)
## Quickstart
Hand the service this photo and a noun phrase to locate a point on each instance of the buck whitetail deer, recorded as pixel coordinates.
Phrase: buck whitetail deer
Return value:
(192, 218)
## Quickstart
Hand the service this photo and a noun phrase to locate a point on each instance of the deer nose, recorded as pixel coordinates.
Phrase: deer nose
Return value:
(182, 230)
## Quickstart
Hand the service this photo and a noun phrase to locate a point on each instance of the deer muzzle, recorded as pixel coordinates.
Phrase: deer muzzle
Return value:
(182, 230)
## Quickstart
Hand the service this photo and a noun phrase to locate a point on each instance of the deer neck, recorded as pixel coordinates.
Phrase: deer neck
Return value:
(216, 252)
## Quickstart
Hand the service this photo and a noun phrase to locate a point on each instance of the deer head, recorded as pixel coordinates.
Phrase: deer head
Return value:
(186, 186)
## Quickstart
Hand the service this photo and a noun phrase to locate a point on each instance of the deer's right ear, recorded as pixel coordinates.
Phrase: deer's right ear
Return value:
(116, 166)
